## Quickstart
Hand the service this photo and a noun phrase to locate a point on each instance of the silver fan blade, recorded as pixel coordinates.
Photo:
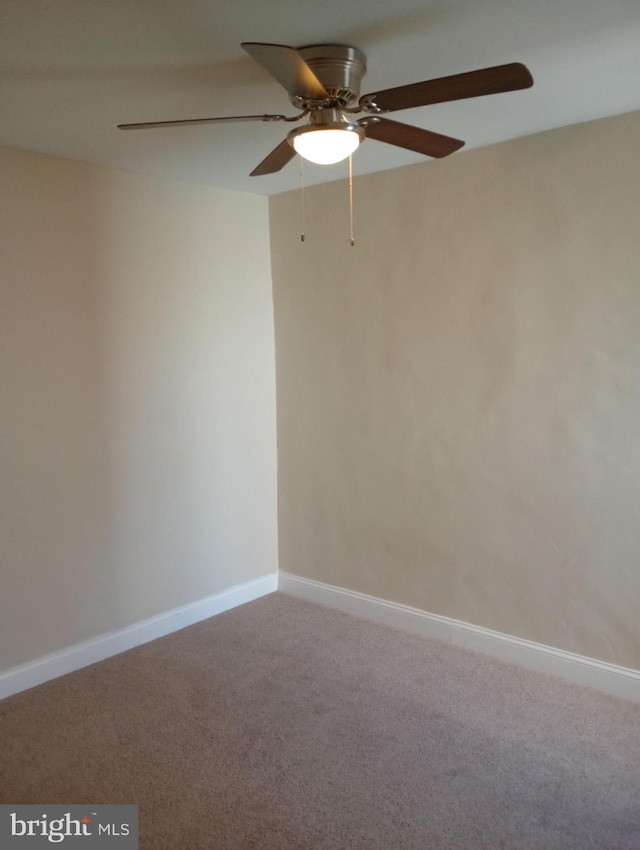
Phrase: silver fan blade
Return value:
(288, 67)
(189, 121)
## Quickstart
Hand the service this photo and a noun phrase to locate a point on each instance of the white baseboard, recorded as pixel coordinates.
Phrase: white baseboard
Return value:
(43, 669)
(610, 678)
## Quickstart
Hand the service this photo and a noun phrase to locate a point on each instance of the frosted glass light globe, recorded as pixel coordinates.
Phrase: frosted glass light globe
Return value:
(326, 147)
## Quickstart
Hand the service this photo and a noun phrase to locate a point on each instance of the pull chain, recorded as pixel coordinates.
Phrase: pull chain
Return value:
(352, 239)
(301, 197)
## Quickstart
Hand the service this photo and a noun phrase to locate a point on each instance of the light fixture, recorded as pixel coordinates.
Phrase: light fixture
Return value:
(327, 138)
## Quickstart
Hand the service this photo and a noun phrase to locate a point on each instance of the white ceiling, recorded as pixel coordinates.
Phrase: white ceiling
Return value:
(71, 70)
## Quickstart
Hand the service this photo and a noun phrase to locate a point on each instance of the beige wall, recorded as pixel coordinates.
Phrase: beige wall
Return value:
(459, 394)
(137, 405)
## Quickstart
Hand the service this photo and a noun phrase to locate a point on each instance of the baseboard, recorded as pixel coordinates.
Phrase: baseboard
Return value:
(610, 678)
(72, 658)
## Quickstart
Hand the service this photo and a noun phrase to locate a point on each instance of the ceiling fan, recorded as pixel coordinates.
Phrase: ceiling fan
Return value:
(324, 82)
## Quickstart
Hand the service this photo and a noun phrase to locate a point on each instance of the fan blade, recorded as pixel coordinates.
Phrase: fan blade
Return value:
(276, 160)
(287, 67)
(501, 78)
(185, 123)
(412, 138)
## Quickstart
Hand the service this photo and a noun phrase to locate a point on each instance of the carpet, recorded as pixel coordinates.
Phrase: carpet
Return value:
(285, 724)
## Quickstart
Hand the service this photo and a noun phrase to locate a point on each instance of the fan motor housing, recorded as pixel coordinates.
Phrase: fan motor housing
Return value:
(339, 68)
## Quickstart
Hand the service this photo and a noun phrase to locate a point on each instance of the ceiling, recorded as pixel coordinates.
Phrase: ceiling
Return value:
(71, 70)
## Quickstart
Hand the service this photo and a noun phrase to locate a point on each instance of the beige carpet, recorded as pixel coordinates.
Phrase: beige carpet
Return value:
(284, 724)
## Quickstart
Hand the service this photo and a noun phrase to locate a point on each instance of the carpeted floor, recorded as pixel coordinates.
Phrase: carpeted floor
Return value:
(283, 724)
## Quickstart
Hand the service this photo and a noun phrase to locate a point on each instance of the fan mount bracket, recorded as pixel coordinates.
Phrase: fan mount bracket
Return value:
(339, 68)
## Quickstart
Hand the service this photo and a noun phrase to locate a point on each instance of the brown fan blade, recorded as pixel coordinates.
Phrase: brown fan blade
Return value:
(412, 138)
(501, 78)
(185, 123)
(287, 67)
(276, 160)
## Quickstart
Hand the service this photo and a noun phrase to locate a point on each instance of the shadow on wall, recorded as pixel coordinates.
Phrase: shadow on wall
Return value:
(138, 399)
